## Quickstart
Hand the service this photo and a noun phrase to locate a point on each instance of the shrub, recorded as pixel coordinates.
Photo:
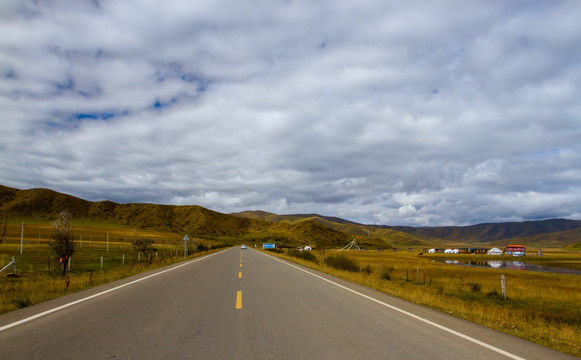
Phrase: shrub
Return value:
(342, 262)
(368, 269)
(220, 246)
(202, 247)
(305, 255)
(475, 287)
(21, 301)
(386, 272)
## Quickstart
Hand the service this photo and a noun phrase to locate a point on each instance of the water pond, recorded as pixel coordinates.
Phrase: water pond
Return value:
(512, 265)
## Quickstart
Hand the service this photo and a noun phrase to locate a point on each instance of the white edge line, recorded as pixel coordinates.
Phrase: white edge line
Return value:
(44, 313)
(441, 327)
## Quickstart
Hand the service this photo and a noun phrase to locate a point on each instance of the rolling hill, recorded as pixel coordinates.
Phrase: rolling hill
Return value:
(194, 220)
(366, 235)
(292, 230)
(544, 233)
(500, 232)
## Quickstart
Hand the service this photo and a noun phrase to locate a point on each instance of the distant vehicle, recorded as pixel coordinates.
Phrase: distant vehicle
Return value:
(243, 246)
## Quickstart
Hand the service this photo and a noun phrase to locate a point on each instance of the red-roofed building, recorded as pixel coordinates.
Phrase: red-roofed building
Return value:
(515, 250)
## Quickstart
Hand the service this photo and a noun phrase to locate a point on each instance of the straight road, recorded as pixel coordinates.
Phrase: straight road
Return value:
(244, 304)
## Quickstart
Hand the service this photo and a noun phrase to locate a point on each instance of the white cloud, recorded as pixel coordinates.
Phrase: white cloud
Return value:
(377, 112)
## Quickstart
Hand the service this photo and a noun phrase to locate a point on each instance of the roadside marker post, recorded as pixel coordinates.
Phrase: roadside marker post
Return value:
(186, 238)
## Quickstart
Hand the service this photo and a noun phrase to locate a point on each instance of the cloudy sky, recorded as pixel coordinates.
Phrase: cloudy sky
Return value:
(384, 112)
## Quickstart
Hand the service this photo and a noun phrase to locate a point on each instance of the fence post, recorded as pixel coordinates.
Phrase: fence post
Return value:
(101, 263)
(21, 238)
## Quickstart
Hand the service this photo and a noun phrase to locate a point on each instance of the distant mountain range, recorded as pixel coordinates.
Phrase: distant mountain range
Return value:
(291, 230)
(542, 233)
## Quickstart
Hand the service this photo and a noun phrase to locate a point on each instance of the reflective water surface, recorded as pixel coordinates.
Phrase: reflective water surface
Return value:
(512, 265)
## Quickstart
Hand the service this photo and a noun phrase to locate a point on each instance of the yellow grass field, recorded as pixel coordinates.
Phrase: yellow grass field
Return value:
(96, 261)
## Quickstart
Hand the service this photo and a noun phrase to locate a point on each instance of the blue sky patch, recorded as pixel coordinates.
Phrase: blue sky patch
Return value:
(105, 115)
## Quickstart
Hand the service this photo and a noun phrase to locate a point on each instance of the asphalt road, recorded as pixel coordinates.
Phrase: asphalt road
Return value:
(243, 304)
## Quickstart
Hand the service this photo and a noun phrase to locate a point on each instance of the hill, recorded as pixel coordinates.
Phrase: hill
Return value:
(528, 231)
(194, 220)
(369, 236)
(542, 233)
(263, 215)
(292, 230)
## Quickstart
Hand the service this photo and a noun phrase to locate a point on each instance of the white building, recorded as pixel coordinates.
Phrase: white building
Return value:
(494, 251)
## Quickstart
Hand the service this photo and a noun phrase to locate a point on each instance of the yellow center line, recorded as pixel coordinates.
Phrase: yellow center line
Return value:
(240, 275)
(240, 265)
(239, 300)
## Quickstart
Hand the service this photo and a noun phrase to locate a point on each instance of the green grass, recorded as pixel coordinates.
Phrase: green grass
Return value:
(574, 247)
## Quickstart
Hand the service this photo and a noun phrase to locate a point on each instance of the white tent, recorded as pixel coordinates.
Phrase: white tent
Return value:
(495, 251)
(431, 251)
(451, 251)
(308, 248)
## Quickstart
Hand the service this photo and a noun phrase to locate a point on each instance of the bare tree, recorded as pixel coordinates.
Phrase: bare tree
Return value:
(143, 245)
(63, 242)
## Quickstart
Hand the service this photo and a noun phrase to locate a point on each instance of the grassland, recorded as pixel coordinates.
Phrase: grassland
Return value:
(541, 307)
(96, 260)
(544, 308)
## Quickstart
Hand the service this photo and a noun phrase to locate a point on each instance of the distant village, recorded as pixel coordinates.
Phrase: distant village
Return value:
(514, 250)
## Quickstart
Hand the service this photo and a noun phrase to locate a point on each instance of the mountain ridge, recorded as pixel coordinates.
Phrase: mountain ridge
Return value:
(559, 232)
(193, 219)
(292, 229)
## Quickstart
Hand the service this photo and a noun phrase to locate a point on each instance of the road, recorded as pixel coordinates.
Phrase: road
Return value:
(244, 304)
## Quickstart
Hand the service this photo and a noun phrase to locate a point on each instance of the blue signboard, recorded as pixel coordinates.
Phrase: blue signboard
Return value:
(268, 246)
